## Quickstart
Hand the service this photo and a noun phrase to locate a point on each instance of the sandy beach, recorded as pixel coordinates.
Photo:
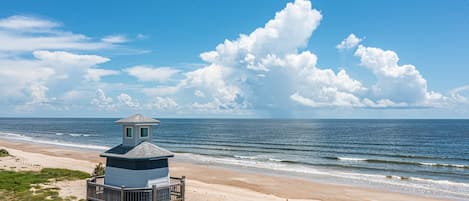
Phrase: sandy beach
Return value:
(204, 183)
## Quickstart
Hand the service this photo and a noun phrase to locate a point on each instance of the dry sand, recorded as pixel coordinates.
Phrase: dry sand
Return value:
(204, 183)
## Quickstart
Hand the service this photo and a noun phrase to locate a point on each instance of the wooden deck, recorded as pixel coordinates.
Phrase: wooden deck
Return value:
(96, 190)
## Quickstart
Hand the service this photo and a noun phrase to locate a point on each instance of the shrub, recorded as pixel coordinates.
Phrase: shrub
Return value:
(4, 152)
(99, 170)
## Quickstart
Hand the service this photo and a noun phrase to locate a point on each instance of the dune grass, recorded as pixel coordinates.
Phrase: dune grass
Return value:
(25, 185)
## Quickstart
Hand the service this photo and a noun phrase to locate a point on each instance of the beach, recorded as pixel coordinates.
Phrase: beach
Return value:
(204, 182)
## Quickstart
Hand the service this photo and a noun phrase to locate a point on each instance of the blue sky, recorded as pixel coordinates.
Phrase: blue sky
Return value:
(241, 59)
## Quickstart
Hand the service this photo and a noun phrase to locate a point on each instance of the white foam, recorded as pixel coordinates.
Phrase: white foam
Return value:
(276, 160)
(259, 157)
(446, 165)
(15, 136)
(351, 159)
(245, 157)
(74, 134)
(412, 184)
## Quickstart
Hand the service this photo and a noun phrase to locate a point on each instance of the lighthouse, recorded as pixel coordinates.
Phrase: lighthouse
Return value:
(136, 162)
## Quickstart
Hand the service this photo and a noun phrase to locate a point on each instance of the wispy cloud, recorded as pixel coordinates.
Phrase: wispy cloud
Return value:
(115, 39)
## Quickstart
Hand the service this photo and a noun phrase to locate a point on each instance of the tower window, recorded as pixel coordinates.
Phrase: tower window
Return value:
(128, 132)
(143, 132)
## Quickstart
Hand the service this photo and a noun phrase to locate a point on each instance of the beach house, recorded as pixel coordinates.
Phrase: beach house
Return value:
(136, 169)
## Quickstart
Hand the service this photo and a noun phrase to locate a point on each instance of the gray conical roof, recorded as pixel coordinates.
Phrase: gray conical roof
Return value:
(137, 119)
(144, 150)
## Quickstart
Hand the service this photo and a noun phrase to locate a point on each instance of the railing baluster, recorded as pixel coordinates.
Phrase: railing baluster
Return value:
(100, 192)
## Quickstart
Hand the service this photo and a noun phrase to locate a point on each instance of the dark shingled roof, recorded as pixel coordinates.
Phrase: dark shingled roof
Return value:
(144, 150)
(137, 119)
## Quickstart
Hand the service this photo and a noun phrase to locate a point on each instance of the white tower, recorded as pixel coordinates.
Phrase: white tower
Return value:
(137, 162)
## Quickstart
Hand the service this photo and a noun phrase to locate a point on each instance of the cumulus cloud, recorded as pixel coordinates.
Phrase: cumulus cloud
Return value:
(163, 103)
(38, 66)
(26, 79)
(322, 87)
(457, 95)
(102, 101)
(397, 83)
(127, 100)
(38, 93)
(267, 70)
(350, 42)
(233, 65)
(30, 79)
(149, 73)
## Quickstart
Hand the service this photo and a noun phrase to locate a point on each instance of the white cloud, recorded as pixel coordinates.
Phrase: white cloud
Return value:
(54, 41)
(149, 73)
(127, 100)
(322, 87)
(30, 79)
(160, 91)
(38, 98)
(199, 93)
(95, 74)
(288, 31)
(24, 74)
(350, 42)
(398, 83)
(211, 79)
(115, 39)
(66, 58)
(457, 96)
(22, 33)
(19, 22)
(231, 81)
(163, 103)
(102, 101)
(232, 67)
(267, 70)
(74, 95)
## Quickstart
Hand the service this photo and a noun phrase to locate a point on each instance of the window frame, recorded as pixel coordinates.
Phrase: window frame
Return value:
(131, 132)
(148, 132)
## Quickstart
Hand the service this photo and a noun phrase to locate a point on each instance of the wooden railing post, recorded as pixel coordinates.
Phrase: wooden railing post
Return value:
(87, 191)
(122, 193)
(183, 187)
(154, 192)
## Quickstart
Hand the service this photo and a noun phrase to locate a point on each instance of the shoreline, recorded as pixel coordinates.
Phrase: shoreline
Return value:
(216, 183)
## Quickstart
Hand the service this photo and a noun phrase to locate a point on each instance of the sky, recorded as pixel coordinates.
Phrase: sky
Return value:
(235, 59)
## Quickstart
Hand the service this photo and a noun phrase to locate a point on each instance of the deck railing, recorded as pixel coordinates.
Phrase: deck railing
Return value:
(96, 190)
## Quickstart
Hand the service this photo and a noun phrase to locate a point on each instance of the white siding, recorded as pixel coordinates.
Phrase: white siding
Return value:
(136, 139)
(136, 178)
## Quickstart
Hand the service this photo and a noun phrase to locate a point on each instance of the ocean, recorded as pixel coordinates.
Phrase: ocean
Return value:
(428, 157)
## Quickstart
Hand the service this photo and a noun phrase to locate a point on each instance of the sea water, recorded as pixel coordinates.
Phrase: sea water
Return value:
(428, 157)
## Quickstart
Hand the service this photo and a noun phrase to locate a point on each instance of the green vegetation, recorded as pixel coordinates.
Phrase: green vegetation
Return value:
(25, 185)
(99, 169)
(4, 152)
